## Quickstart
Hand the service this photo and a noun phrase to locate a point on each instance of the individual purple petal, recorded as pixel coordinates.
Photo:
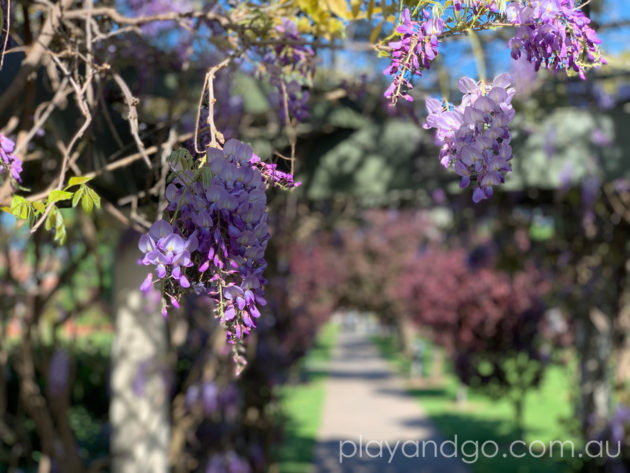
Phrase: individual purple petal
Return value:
(254, 311)
(146, 244)
(172, 243)
(147, 284)
(229, 313)
(247, 319)
(498, 94)
(240, 151)
(7, 145)
(466, 85)
(478, 195)
(240, 302)
(433, 105)
(502, 80)
(160, 229)
(183, 282)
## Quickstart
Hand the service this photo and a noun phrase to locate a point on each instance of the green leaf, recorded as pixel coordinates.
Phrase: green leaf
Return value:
(17, 199)
(89, 198)
(60, 235)
(339, 8)
(370, 9)
(39, 207)
(76, 180)
(96, 199)
(51, 220)
(60, 232)
(355, 8)
(78, 195)
(20, 207)
(57, 195)
(206, 176)
(87, 203)
(55, 219)
(181, 158)
(376, 31)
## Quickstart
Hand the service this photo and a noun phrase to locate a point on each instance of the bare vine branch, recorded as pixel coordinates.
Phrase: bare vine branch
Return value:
(34, 57)
(131, 102)
(6, 21)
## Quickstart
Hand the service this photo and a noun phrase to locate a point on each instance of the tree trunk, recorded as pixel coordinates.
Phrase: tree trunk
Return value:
(139, 409)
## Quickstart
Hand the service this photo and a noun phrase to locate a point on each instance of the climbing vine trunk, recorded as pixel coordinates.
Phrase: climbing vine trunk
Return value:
(139, 409)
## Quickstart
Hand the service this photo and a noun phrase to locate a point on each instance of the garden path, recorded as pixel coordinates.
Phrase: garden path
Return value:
(365, 401)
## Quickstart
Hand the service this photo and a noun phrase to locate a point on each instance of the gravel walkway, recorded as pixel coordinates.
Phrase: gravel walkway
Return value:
(365, 401)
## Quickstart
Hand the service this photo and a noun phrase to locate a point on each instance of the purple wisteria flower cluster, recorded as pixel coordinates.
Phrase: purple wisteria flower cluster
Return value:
(272, 175)
(215, 244)
(478, 6)
(413, 53)
(168, 251)
(556, 34)
(9, 162)
(228, 462)
(297, 101)
(474, 136)
(288, 52)
(142, 8)
(209, 398)
(289, 57)
(297, 98)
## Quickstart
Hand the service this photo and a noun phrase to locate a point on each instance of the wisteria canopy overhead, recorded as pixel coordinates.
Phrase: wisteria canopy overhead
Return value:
(208, 232)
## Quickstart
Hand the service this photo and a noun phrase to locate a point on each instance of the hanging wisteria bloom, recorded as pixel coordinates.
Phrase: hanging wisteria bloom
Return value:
(272, 175)
(285, 62)
(296, 97)
(228, 462)
(9, 162)
(290, 53)
(142, 8)
(554, 34)
(478, 7)
(214, 242)
(474, 136)
(413, 53)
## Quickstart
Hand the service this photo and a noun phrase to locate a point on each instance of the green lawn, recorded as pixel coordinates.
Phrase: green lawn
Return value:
(302, 404)
(548, 412)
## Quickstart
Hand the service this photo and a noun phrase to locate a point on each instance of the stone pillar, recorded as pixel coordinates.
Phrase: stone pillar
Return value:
(594, 342)
(139, 409)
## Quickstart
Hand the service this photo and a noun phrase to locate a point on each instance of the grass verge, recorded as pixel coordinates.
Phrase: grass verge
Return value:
(301, 405)
(548, 413)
